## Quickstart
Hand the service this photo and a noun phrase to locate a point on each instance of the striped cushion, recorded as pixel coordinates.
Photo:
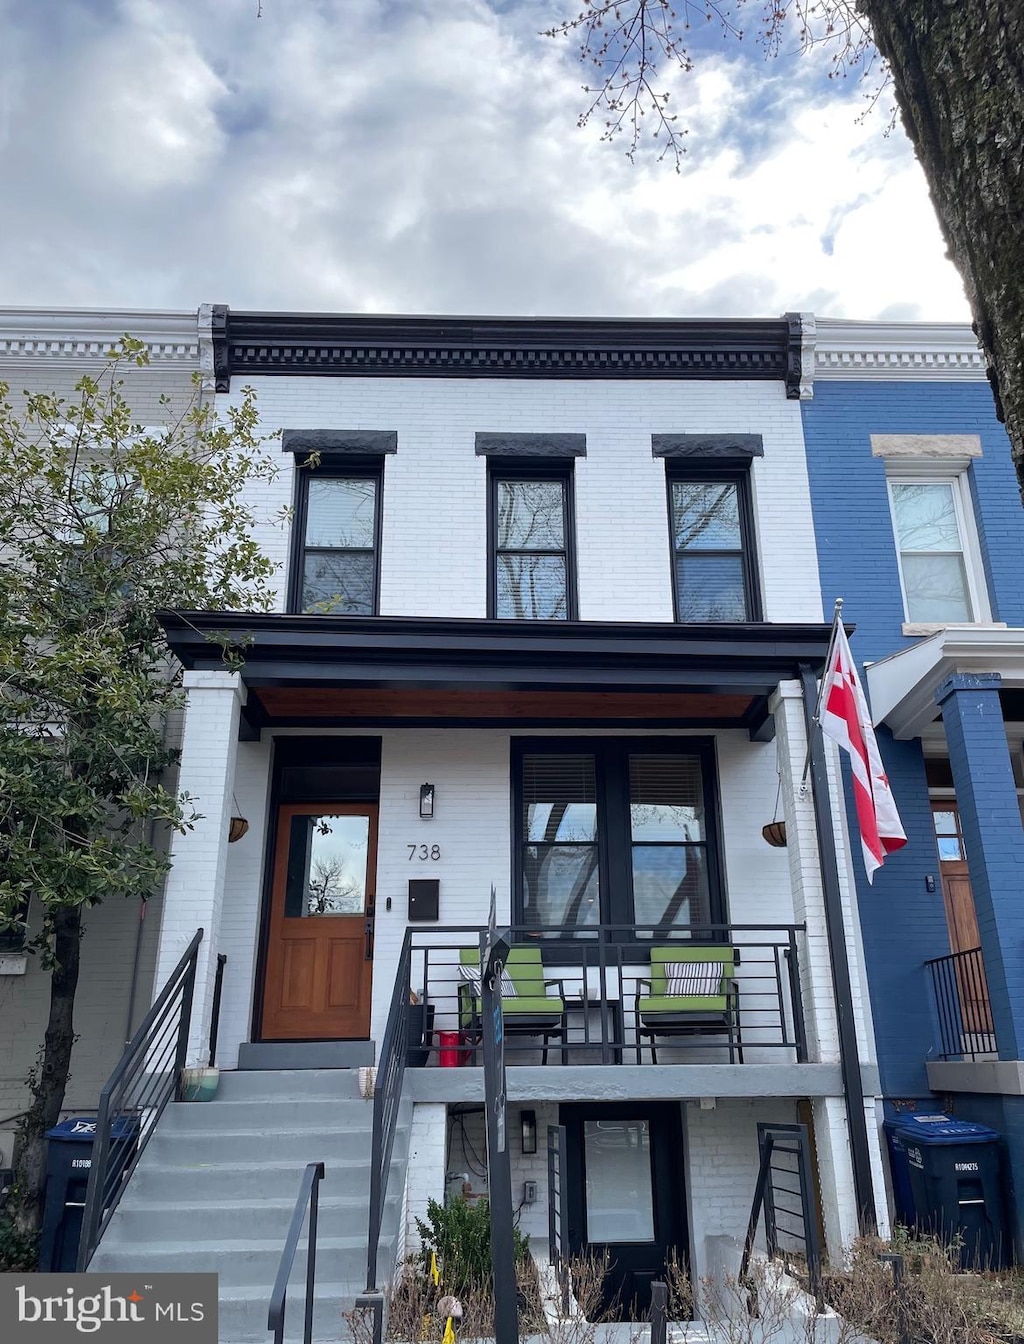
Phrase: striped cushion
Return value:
(693, 979)
(471, 975)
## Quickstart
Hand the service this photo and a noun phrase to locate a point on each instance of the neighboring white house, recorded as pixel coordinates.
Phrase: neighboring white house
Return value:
(45, 351)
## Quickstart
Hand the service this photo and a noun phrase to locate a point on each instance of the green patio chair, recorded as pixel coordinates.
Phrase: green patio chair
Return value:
(527, 1005)
(691, 991)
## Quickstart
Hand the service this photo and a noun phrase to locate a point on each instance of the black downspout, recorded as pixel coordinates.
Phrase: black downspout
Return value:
(849, 1054)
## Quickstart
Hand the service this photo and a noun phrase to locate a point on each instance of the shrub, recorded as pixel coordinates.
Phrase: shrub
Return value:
(19, 1251)
(459, 1233)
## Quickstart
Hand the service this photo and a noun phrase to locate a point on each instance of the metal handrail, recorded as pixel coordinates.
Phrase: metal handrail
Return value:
(792, 1141)
(144, 1080)
(558, 1210)
(387, 1097)
(962, 1003)
(309, 1193)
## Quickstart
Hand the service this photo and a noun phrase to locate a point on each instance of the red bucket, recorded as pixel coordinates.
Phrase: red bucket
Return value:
(449, 1056)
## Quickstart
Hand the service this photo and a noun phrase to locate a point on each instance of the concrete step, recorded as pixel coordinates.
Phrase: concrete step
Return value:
(297, 1145)
(206, 1183)
(268, 1217)
(250, 1261)
(287, 1083)
(243, 1316)
(248, 1115)
(280, 1055)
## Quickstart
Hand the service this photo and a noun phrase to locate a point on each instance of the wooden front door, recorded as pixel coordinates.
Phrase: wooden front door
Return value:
(320, 948)
(961, 917)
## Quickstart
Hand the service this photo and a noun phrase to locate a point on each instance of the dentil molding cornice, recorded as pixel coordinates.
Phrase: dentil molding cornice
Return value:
(38, 337)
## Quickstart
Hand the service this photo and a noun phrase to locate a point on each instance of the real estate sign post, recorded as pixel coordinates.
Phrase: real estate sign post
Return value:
(493, 950)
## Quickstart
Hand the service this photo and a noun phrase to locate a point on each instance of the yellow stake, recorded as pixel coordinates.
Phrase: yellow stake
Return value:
(449, 1334)
(435, 1273)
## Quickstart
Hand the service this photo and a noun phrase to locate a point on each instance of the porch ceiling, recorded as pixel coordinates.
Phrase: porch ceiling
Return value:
(322, 667)
(298, 704)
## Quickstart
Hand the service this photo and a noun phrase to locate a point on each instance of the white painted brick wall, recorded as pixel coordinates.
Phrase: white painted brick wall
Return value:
(434, 555)
(426, 1170)
(194, 893)
(722, 1162)
(532, 1219)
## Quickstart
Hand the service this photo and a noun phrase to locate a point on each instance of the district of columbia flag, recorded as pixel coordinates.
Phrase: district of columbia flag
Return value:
(843, 716)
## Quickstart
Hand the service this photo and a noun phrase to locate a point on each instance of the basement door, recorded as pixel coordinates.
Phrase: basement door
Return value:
(319, 961)
(624, 1178)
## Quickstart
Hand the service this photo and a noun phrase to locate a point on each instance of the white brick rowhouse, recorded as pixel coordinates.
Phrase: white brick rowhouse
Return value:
(689, 718)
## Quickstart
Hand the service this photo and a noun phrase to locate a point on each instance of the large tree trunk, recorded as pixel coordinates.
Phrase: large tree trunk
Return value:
(958, 69)
(52, 1073)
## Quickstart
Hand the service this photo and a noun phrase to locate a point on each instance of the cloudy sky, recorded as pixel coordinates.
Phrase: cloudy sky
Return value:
(422, 156)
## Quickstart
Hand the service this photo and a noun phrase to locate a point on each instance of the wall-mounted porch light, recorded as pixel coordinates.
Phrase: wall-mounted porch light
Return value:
(528, 1131)
(426, 800)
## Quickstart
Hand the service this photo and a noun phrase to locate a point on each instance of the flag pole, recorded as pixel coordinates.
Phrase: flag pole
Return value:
(837, 616)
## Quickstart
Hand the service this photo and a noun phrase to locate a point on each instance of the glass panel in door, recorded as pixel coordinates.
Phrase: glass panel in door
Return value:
(617, 1162)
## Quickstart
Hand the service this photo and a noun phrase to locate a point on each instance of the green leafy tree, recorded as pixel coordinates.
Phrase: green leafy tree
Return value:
(958, 78)
(102, 525)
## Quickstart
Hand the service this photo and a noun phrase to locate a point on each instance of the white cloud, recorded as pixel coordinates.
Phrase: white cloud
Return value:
(422, 156)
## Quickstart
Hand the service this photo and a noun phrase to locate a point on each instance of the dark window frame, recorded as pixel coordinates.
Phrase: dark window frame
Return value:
(733, 474)
(520, 469)
(614, 841)
(347, 468)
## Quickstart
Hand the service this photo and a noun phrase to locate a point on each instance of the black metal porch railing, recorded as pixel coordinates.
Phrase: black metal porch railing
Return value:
(558, 1211)
(593, 982)
(387, 1098)
(962, 1003)
(785, 1193)
(309, 1196)
(147, 1077)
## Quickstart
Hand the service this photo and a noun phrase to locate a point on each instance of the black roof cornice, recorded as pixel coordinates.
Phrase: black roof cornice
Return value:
(371, 345)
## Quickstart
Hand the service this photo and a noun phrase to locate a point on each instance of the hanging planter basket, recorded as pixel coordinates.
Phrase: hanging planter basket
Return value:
(775, 834)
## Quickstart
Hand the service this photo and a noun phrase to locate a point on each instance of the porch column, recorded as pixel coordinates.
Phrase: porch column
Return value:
(831, 1120)
(194, 892)
(994, 840)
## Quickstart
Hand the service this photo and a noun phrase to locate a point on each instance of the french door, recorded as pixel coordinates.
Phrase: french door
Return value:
(616, 831)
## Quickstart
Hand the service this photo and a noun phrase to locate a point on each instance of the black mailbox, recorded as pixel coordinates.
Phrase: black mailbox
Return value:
(424, 898)
(953, 1169)
(68, 1163)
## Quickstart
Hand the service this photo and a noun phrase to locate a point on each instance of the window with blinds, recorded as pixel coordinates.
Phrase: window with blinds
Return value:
(616, 834)
(560, 867)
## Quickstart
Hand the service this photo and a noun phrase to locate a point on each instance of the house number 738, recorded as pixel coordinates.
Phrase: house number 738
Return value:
(423, 852)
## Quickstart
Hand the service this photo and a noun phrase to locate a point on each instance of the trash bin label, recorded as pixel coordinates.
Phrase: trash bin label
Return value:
(915, 1157)
(966, 1166)
(85, 1162)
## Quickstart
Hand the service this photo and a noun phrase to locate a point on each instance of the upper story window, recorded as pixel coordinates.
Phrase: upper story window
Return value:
(337, 536)
(940, 571)
(532, 574)
(713, 567)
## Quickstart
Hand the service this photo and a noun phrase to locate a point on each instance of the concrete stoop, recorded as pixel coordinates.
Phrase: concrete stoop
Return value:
(217, 1185)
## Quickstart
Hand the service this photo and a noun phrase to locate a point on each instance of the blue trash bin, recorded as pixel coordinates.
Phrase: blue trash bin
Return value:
(68, 1163)
(947, 1174)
